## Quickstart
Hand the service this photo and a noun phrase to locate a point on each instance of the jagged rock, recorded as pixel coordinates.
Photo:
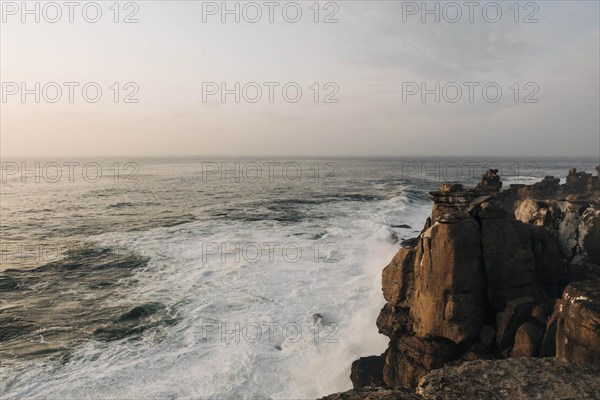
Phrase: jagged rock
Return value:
(449, 287)
(367, 371)
(450, 201)
(575, 223)
(480, 279)
(533, 212)
(398, 279)
(394, 322)
(581, 181)
(514, 379)
(567, 222)
(574, 327)
(528, 340)
(508, 321)
(368, 393)
(490, 182)
(413, 357)
(451, 188)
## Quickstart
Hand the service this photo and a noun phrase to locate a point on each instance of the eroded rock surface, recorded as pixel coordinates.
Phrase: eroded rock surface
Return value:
(482, 279)
(513, 379)
(575, 324)
(510, 379)
(378, 393)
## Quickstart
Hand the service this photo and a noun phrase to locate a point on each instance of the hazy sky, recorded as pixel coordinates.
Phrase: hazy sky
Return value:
(372, 55)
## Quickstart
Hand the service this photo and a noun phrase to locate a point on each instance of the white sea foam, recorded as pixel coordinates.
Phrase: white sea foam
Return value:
(189, 360)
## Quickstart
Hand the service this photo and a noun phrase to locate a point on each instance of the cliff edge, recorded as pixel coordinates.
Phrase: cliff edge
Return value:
(494, 274)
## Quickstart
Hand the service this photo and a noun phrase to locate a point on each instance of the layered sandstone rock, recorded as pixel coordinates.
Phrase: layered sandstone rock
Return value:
(481, 280)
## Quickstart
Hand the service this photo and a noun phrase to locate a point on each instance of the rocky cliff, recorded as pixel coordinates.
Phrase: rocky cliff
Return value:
(510, 379)
(494, 274)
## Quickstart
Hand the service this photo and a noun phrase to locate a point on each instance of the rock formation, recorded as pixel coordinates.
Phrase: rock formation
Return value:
(530, 378)
(485, 280)
(514, 379)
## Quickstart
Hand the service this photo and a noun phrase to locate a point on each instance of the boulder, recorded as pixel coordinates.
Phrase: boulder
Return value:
(530, 211)
(574, 327)
(515, 313)
(528, 340)
(367, 371)
(490, 182)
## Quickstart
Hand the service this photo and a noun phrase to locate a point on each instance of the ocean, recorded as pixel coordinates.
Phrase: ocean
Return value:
(226, 278)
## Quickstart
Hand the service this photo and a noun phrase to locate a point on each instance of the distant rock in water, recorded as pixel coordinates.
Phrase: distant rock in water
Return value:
(403, 226)
(480, 283)
(321, 319)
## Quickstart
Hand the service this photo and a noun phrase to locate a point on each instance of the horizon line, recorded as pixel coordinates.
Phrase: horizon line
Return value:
(301, 156)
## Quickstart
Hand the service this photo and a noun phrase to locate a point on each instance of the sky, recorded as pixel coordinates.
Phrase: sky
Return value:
(521, 83)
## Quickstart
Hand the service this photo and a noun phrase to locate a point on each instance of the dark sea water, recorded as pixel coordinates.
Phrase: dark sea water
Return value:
(200, 278)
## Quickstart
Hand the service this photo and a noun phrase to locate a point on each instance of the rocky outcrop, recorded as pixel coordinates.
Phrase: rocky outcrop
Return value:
(511, 379)
(574, 327)
(483, 277)
(514, 379)
(413, 357)
(375, 393)
(368, 371)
